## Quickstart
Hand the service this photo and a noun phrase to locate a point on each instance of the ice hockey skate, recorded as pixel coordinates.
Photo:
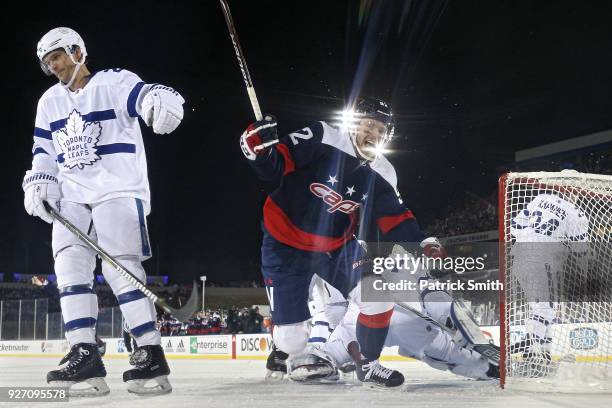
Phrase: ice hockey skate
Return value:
(493, 371)
(372, 374)
(531, 358)
(276, 365)
(101, 346)
(312, 366)
(150, 377)
(83, 372)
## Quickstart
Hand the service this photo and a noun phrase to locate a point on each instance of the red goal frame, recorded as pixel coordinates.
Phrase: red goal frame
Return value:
(501, 206)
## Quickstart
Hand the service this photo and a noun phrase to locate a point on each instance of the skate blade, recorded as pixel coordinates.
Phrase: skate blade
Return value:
(93, 387)
(274, 376)
(313, 375)
(379, 387)
(139, 387)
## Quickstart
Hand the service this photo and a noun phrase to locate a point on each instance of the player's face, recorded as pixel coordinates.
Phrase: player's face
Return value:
(370, 136)
(60, 64)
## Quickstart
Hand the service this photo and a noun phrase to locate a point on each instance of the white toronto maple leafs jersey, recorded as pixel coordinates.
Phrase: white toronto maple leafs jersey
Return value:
(550, 218)
(91, 138)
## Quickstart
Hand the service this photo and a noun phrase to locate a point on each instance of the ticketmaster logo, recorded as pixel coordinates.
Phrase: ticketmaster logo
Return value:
(14, 347)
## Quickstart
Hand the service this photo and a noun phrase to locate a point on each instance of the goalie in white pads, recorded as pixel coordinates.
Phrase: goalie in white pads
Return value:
(415, 337)
(544, 234)
(89, 163)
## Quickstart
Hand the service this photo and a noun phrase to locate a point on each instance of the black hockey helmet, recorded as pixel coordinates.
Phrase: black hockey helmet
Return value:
(376, 109)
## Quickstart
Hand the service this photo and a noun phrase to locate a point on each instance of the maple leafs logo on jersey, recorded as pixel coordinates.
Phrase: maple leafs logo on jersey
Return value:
(78, 140)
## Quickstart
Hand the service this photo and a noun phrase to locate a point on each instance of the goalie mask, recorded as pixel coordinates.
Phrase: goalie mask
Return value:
(61, 38)
(372, 127)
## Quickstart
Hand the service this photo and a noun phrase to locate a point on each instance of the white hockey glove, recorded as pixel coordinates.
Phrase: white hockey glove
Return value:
(162, 108)
(39, 186)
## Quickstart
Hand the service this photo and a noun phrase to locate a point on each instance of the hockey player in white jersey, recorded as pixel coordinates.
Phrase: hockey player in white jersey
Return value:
(89, 163)
(544, 233)
(330, 351)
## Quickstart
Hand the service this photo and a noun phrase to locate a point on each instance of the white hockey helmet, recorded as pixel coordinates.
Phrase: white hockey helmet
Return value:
(60, 37)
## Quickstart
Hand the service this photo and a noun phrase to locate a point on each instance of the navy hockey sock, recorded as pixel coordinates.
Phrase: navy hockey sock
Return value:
(372, 332)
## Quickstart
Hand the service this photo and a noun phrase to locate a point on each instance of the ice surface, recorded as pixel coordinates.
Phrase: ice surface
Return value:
(239, 383)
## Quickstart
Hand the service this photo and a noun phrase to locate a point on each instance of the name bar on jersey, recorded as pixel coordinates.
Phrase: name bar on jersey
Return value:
(95, 116)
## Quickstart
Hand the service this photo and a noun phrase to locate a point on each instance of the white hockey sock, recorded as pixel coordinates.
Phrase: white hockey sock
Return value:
(152, 338)
(137, 309)
(80, 313)
(319, 333)
(84, 335)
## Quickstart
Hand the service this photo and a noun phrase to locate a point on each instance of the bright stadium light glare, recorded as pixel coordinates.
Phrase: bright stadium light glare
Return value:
(346, 118)
(381, 149)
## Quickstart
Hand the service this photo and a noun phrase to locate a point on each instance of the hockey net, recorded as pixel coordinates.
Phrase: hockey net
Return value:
(577, 356)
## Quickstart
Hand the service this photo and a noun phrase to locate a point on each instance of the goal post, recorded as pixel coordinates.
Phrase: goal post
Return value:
(555, 237)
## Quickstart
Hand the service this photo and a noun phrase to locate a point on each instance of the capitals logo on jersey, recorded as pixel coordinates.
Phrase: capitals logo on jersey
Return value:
(78, 140)
(333, 199)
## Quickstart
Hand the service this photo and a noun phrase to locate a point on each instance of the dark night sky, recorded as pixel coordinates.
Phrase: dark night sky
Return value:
(469, 82)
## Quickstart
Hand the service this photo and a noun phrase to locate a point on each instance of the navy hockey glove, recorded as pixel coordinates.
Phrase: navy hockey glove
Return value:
(259, 136)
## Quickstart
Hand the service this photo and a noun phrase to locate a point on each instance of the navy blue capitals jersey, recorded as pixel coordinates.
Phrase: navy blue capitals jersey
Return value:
(326, 191)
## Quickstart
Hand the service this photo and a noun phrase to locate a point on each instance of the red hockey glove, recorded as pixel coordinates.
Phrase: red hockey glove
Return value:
(258, 137)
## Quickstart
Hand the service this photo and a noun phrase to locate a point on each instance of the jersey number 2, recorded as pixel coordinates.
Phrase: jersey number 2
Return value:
(300, 134)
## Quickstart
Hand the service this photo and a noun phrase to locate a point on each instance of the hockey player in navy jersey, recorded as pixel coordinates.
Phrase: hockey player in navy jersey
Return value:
(89, 163)
(330, 181)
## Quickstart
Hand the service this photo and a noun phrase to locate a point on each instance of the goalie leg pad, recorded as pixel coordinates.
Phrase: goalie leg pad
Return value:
(468, 331)
(444, 354)
(437, 304)
(469, 334)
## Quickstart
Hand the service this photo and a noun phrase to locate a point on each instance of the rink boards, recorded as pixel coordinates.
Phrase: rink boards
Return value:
(579, 342)
(212, 347)
(219, 347)
(588, 343)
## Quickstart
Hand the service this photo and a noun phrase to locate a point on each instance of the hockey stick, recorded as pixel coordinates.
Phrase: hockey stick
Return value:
(243, 68)
(180, 314)
(241, 60)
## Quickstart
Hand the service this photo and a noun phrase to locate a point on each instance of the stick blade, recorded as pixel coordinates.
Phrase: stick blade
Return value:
(188, 310)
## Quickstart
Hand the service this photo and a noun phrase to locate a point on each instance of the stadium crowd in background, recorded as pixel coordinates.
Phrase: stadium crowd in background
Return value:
(470, 214)
(232, 321)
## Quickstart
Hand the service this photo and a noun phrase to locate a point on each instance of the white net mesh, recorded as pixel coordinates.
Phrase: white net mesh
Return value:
(557, 265)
